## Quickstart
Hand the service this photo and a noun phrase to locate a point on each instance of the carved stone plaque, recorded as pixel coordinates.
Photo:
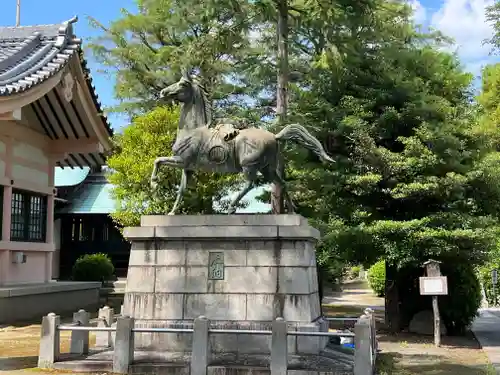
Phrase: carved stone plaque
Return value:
(216, 266)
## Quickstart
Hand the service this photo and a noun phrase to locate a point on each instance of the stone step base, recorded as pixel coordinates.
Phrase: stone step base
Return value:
(178, 364)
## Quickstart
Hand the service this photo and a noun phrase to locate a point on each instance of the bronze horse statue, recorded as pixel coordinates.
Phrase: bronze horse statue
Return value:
(224, 148)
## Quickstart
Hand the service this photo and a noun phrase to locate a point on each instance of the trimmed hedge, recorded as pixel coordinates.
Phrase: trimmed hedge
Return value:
(93, 267)
(376, 278)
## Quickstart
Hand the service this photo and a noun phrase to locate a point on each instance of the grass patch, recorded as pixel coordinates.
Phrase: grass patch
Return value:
(407, 354)
(422, 364)
(341, 311)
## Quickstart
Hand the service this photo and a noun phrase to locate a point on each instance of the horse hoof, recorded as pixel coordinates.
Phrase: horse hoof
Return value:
(231, 211)
(171, 213)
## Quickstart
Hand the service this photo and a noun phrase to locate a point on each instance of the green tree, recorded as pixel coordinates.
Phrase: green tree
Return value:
(135, 149)
(147, 49)
(488, 125)
(413, 178)
(493, 17)
(396, 114)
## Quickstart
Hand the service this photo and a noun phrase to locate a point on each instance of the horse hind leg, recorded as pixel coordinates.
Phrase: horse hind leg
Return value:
(272, 175)
(251, 176)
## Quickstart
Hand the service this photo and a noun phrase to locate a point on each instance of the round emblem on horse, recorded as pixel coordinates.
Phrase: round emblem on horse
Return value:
(217, 154)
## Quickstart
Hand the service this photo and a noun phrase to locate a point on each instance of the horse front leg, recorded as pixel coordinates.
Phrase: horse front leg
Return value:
(171, 161)
(180, 192)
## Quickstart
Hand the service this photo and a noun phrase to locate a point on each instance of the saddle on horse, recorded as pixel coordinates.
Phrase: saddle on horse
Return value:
(229, 128)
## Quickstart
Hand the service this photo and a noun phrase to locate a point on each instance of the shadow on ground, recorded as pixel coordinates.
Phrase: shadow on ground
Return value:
(18, 363)
(464, 342)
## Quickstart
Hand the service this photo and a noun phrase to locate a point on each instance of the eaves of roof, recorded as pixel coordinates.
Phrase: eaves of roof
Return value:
(29, 55)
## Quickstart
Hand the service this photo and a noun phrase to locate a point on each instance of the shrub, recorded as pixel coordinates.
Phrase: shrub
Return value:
(485, 277)
(457, 309)
(376, 278)
(93, 267)
(354, 272)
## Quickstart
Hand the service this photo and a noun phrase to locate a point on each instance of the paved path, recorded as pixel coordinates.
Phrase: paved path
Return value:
(486, 328)
(354, 293)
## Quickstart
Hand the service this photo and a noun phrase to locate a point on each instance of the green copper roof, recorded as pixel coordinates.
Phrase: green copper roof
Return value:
(90, 198)
(69, 177)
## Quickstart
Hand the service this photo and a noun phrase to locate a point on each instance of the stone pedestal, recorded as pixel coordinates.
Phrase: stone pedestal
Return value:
(240, 271)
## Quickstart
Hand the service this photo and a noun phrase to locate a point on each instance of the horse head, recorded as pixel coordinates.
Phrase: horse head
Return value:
(196, 110)
(180, 91)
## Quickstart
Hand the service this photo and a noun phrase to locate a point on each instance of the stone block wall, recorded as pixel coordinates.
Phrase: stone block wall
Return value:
(269, 272)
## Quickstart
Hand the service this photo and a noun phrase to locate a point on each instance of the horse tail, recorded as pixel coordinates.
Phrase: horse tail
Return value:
(298, 134)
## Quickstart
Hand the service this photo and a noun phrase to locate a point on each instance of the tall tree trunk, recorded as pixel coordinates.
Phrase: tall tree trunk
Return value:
(281, 96)
(392, 311)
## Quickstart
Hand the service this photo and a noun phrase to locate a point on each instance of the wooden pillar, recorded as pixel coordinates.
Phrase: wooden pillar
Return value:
(49, 237)
(5, 262)
(6, 214)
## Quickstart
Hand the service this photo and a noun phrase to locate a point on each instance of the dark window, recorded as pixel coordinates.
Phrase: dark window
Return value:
(105, 232)
(28, 217)
(84, 229)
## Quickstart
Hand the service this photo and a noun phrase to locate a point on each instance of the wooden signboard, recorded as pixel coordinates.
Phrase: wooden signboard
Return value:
(434, 286)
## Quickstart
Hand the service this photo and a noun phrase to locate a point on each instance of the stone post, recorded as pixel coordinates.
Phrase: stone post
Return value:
(105, 319)
(200, 355)
(279, 348)
(371, 314)
(123, 355)
(363, 358)
(49, 341)
(80, 339)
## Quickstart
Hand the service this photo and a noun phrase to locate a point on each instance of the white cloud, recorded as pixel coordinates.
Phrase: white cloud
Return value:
(419, 11)
(465, 22)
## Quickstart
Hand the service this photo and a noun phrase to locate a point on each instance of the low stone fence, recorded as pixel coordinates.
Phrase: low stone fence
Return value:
(365, 341)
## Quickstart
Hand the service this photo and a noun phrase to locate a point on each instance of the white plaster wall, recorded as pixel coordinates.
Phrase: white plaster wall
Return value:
(33, 271)
(32, 154)
(20, 172)
(57, 253)
(29, 152)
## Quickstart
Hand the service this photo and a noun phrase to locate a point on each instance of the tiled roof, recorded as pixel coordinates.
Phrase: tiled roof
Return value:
(31, 54)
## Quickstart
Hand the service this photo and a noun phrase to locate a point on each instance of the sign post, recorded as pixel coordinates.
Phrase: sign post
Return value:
(433, 284)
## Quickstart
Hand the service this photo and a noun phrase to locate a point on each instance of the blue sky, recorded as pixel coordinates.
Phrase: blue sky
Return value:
(465, 22)
(462, 20)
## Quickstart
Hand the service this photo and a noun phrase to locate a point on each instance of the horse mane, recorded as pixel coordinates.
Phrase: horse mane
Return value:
(200, 98)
